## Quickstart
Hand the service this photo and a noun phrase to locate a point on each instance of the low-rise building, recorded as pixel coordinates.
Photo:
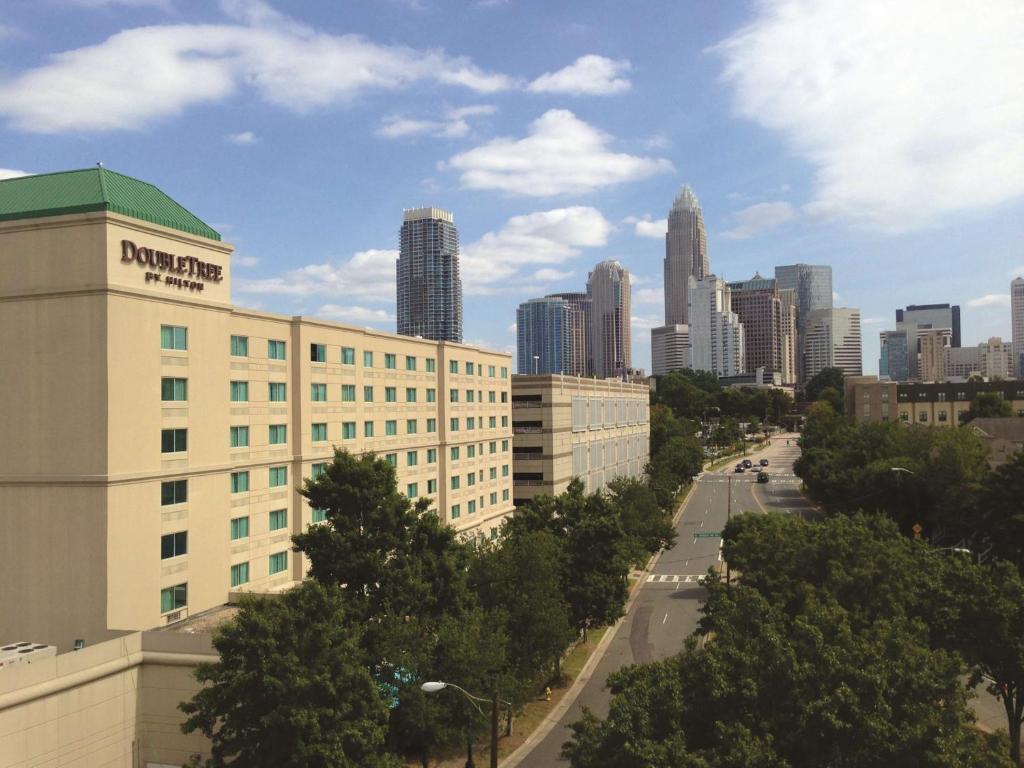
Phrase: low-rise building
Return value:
(931, 404)
(567, 426)
(1004, 436)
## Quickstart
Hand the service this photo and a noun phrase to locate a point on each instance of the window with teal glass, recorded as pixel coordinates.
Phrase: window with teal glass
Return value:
(493, 498)
(239, 527)
(239, 437)
(174, 337)
(469, 369)
(431, 365)
(504, 470)
(278, 519)
(453, 366)
(504, 446)
(490, 371)
(318, 353)
(239, 574)
(410, 363)
(410, 394)
(492, 447)
(278, 391)
(469, 395)
(471, 422)
(453, 395)
(470, 451)
(455, 482)
(412, 490)
(504, 372)
(410, 426)
(368, 359)
(453, 425)
(174, 390)
(431, 486)
(412, 458)
(492, 422)
(431, 395)
(390, 360)
(471, 479)
(431, 425)
(173, 440)
(239, 481)
(431, 455)
(453, 453)
(490, 396)
(348, 430)
(455, 512)
(173, 598)
(319, 432)
(390, 427)
(318, 393)
(239, 391)
(173, 492)
(316, 470)
(275, 349)
(493, 473)
(392, 459)
(367, 394)
(348, 393)
(390, 394)
(504, 421)
(367, 429)
(239, 346)
(278, 476)
(318, 515)
(471, 507)
(278, 434)
(278, 562)
(348, 356)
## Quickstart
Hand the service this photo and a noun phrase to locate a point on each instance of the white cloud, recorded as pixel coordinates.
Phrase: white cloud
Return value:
(645, 323)
(918, 90)
(645, 227)
(755, 219)
(874, 320)
(512, 328)
(244, 261)
(990, 300)
(589, 75)
(368, 275)
(354, 314)
(561, 155)
(549, 275)
(177, 66)
(243, 138)
(9, 173)
(453, 126)
(647, 295)
(1017, 271)
(836, 298)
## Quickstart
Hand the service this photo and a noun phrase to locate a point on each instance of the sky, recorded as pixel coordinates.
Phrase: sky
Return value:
(885, 139)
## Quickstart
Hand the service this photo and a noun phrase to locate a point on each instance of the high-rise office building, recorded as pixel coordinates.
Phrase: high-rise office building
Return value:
(833, 341)
(610, 340)
(790, 342)
(933, 316)
(686, 255)
(933, 343)
(812, 285)
(428, 285)
(543, 328)
(670, 349)
(716, 334)
(995, 359)
(1017, 324)
(579, 362)
(894, 358)
(767, 321)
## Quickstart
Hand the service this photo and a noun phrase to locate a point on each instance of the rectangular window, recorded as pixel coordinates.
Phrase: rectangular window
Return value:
(431, 365)
(453, 366)
(278, 391)
(318, 353)
(348, 393)
(173, 390)
(504, 421)
(455, 512)
(275, 349)
(410, 394)
(410, 363)
(493, 475)
(390, 360)
(278, 476)
(471, 479)
(239, 482)
(348, 430)
(278, 519)
(239, 574)
(390, 394)
(367, 359)
(492, 447)
(493, 498)
(453, 425)
(390, 427)
(431, 395)
(492, 422)
(173, 492)
(431, 425)
(318, 393)
(348, 356)
(367, 429)
(239, 437)
(490, 371)
(453, 395)
(470, 451)
(454, 453)
(504, 397)
(174, 337)
(504, 470)
(239, 391)
(469, 395)
(504, 372)
(490, 396)
(412, 458)
(504, 446)
(504, 495)
(316, 470)
(431, 486)
(173, 545)
(471, 507)
(319, 432)
(173, 598)
(392, 459)
(455, 482)
(318, 515)
(471, 422)
(367, 394)
(469, 369)
(412, 491)
(173, 440)
(239, 346)
(278, 562)
(410, 426)
(240, 528)
(431, 455)
(278, 434)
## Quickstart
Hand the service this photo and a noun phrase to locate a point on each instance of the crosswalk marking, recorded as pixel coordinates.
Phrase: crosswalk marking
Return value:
(673, 578)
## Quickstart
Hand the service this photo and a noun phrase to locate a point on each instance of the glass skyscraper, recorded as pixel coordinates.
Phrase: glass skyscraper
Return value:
(812, 285)
(686, 255)
(544, 336)
(428, 285)
(610, 341)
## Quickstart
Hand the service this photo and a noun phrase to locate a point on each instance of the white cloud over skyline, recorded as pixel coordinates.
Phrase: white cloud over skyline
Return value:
(761, 217)
(589, 75)
(242, 139)
(990, 300)
(454, 124)
(368, 275)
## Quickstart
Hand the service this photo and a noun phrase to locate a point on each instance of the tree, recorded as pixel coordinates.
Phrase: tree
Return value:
(826, 377)
(1001, 510)
(292, 687)
(675, 465)
(987, 405)
(647, 525)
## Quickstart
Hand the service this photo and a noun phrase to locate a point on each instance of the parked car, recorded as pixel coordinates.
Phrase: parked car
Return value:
(748, 463)
(764, 462)
(762, 477)
(739, 468)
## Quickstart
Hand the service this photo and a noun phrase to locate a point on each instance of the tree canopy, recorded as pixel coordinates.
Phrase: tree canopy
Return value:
(826, 378)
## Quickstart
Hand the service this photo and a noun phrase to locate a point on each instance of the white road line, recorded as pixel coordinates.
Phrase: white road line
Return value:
(663, 578)
(664, 620)
(650, 578)
(675, 578)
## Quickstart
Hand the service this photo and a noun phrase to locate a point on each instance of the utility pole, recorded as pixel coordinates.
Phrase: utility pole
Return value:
(494, 729)
(728, 517)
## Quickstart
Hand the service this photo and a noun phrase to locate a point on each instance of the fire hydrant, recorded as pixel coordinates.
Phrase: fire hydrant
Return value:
(547, 693)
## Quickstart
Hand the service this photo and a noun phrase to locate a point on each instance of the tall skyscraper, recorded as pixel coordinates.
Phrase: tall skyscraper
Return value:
(580, 362)
(610, 341)
(1017, 324)
(894, 358)
(812, 285)
(543, 336)
(716, 334)
(767, 322)
(933, 316)
(670, 349)
(932, 356)
(428, 284)
(833, 341)
(686, 255)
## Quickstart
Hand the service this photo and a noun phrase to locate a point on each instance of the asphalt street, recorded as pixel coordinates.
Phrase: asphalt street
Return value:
(666, 609)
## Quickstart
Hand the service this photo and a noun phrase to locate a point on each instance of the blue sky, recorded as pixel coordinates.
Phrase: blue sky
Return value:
(885, 139)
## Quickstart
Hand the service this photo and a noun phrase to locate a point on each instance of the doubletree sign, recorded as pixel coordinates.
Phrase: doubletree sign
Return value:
(185, 272)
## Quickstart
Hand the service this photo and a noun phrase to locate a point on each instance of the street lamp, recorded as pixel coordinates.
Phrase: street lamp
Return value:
(536, 363)
(917, 504)
(433, 686)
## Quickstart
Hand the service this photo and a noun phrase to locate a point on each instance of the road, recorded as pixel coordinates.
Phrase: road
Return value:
(666, 609)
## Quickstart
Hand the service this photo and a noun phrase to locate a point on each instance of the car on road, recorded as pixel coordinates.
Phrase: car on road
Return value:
(739, 469)
(764, 462)
(762, 477)
(748, 463)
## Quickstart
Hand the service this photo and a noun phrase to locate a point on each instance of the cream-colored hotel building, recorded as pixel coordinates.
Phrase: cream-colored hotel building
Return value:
(156, 435)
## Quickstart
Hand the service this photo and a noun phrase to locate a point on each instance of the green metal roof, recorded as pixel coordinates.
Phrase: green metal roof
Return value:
(95, 189)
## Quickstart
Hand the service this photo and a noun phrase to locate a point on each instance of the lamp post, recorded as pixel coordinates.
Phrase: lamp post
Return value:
(917, 505)
(536, 364)
(437, 685)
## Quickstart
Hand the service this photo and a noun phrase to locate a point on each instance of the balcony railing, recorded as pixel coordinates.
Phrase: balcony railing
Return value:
(526, 430)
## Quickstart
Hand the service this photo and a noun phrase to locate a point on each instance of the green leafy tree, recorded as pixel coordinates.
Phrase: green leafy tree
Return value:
(1001, 510)
(292, 688)
(824, 379)
(987, 405)
(672, 467)
(647, 525)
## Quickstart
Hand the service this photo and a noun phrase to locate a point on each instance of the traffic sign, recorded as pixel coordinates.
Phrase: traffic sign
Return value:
(708, 535)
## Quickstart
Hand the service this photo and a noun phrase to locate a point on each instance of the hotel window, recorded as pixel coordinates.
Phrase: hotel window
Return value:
(316, 470)
(504, 446)
(469, 369)
(318, 393)
(390, 428)
(173, 440)
(431, 425)
(348, 430)
(318, 515)
(278, 562)
(318, 353)
(470, 451)
(431, 365)
(471, 479)
(492, 447)
(392, 459)
(469, 395)
(504, 470)
(492, 422)
(504, 421)
(454, 453)
(455, 482)
(239, 482)
(431, 395)
(174, 337)
(410, 394)
(455, 512)
(504, 372)
(239, 574)
(410, 426)
(390, 395)
(173, 545)
(470, 422)
(493, 473)
(390, 360)
(504, 495)
(431, 455)
(348, 356)
(239, 437)
(319, 432)
(453, 395)
(412, 458)
(278, 391)
(240, 528)
(348, 393)
(490, 396)
(278, 519)
(173, 492)
(367, 359)
(275, 350)
(278, 476)
(453, 366)
(410, 363)
(412, 490)
(504, 397)
(367, 429)
(239, 391)
(453, 425)
(471, 507)
(367, 394)
(175, 390)
(173, 598)
(493, 498)
(494, 533)
(490, 371)
(431, 486)
(922, 417)
(239, 346)
(278, 434)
